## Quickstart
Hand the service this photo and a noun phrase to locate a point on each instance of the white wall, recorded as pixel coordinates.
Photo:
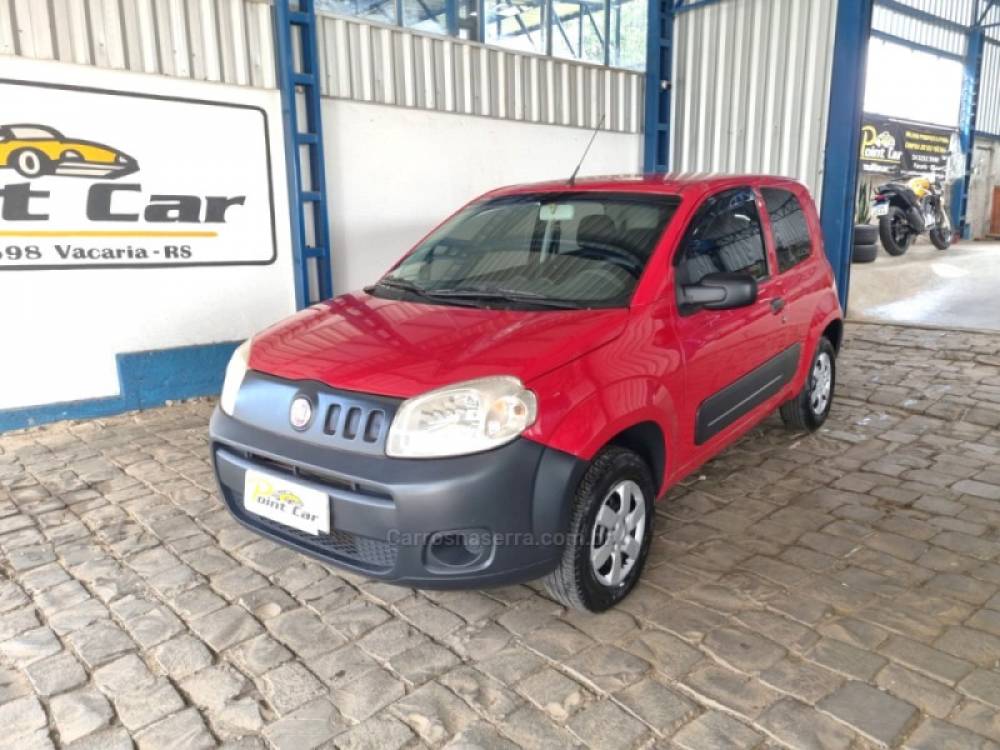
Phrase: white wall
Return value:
(61, 329)
(393, 173)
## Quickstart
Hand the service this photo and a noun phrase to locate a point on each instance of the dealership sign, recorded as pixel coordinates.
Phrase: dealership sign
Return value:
(893, 147)
(92, 178)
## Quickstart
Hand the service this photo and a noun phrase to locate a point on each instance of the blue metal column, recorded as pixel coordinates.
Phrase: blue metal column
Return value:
(299, 73)
(971, 79)
(843, 136)
(659, 60)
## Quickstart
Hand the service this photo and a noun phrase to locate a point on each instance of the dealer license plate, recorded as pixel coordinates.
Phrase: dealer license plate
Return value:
(880, 209)
(288, 503)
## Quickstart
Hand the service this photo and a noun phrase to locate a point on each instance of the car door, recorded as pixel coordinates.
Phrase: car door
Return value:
(734, 360)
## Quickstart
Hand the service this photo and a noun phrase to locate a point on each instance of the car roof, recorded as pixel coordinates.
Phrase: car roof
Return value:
(672, 183)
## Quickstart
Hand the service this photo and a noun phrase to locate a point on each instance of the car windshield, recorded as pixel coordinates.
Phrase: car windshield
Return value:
(33, 131)
(557, 250)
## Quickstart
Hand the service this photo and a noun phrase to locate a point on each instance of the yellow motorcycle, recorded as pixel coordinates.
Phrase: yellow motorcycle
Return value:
(906, 210)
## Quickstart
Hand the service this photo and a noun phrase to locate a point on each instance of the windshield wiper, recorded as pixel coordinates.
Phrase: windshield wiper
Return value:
(403, 285)
(511, 295)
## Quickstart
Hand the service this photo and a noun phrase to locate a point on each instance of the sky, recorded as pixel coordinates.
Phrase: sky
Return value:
(912, 85)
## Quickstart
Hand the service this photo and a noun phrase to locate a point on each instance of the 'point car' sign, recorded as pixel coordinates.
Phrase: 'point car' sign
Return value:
(91, 178)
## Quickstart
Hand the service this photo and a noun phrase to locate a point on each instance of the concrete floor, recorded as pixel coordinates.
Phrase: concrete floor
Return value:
(957, 288)
(839, 590)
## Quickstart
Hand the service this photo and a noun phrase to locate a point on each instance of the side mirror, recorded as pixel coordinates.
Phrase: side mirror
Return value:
(720, 291)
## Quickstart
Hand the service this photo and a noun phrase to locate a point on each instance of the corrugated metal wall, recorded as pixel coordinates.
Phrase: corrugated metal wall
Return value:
(919, 31)
(988, 118)
(389, 65)
(210, 40)
(752, 87)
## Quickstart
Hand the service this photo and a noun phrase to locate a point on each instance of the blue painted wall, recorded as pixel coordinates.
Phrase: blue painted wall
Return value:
(146, 379)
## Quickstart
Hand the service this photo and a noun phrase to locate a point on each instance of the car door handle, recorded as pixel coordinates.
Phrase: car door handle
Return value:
(777, 305)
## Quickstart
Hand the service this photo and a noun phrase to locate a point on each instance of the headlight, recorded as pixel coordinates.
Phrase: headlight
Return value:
(236, 370)
(463, 418)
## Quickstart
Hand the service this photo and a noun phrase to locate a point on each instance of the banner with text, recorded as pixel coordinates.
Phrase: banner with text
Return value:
(95, 178)
(896, 148)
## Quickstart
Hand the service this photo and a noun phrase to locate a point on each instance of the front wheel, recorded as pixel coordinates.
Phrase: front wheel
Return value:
(810, 408)
(941, 238)
(894, 231)
(609, 534)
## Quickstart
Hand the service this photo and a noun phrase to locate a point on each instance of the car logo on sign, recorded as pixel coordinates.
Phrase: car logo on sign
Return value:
(301, 413)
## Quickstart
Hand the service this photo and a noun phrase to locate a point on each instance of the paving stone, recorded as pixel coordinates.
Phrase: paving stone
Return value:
(974, 645)
(13, 684)
(79, 713)
(801, 727)
(480, 735)
(181, 656)
(55, 674)
(484, 694)
(658, 705)
(530, 728)
(226, 627)
(742, 694)
(99, 643)
(609, 667)
(423, 663)
(185, 729)
(30, 646)
(213, 687)
(553, 692)
(140, 708)
(846, 659)
(871, 712)
(289, 686)
(259, 655)
(928, 695)
(380, 733)
(604, 724)
(21, 717)
(368, 694)
(116, 738)
(984, 686)
(930, 661)
(804, 680)
(714, 729)
(665, 652)
(433, 712)
(304, 633)
(743, 650)
(934, 734)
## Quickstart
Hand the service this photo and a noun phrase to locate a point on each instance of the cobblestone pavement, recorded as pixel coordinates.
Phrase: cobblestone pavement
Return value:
(837, 590)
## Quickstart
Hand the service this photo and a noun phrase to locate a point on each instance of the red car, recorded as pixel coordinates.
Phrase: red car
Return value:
(509, 399)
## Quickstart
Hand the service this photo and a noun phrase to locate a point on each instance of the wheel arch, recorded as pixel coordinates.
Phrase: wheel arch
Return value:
(646, 439)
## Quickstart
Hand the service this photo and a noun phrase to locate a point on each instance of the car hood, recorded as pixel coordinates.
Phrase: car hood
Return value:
(387, 347)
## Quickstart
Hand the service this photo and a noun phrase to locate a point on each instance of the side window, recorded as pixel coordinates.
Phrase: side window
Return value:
(724, 237)
(791, 232)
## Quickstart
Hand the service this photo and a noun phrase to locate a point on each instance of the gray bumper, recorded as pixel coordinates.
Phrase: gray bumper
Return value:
(400, 519)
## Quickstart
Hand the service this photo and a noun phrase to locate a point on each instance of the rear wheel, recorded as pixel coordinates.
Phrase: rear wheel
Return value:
(810, 408)
(612, 523)
(894, 231)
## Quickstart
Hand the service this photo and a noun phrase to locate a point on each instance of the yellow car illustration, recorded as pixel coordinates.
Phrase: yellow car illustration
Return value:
(37, 150)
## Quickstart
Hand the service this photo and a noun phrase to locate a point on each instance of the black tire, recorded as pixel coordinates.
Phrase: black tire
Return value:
(940, 238)
(30, 163)
(864, 253)
(800, 413)
(865, 234)
(894, 231)
(575, 583)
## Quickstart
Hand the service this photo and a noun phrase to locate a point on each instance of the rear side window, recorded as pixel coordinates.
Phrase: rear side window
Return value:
(724, 237)
(791, 232)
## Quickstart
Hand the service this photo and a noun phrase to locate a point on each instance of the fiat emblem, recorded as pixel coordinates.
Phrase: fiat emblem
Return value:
(301, 413)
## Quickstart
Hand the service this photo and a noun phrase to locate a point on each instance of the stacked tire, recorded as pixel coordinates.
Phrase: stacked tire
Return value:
(865, 243)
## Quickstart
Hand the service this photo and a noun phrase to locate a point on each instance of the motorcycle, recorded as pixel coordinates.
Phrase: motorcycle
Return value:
(905, 210)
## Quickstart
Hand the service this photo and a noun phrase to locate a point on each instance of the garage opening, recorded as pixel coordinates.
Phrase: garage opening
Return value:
(912, 149)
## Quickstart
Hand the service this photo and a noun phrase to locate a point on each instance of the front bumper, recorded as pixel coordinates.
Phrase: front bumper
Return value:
(406, 520)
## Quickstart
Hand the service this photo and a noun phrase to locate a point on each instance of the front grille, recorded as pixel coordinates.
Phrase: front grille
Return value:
(372, 554)
(328, 480)
(354, 422)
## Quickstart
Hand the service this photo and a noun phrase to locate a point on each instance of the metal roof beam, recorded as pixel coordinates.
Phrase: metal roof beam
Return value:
(922, 15)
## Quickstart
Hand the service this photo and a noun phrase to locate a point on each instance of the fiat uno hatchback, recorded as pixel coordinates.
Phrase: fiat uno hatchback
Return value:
(507, 402)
